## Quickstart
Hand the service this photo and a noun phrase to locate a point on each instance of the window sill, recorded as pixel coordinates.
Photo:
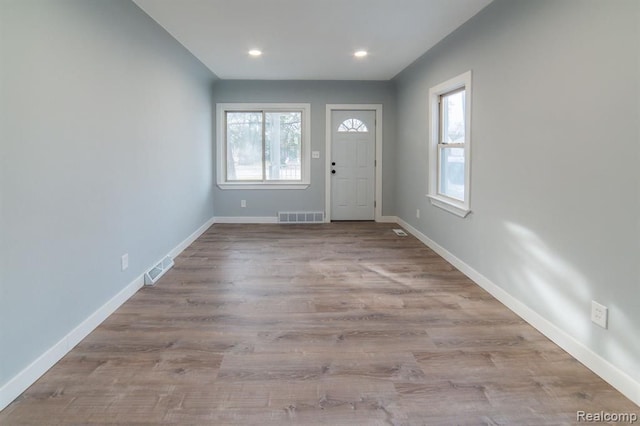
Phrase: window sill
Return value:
(254, 185)
(449, 206)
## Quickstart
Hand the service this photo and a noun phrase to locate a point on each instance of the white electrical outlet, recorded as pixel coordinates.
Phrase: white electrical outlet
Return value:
(418, 213)
(599, 314)
(124, 261)
(243, 203)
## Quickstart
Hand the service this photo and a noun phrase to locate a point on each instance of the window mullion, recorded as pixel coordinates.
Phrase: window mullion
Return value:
(441, 123)
(264, 148)
(226, 146)
(440, 143)
(439, 163)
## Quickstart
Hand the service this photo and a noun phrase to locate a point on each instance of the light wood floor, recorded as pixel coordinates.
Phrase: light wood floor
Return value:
(339, 324)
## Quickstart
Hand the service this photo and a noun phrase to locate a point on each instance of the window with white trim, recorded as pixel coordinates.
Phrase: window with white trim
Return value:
(450, 144)
(263, 146)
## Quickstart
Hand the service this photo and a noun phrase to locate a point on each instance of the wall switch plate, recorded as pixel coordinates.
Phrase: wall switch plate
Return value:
(315, 154)
(417, 213)
(243, 203)
(124, 261)
(599, 314)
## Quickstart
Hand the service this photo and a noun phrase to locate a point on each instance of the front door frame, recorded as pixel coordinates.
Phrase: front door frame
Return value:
(378, 169)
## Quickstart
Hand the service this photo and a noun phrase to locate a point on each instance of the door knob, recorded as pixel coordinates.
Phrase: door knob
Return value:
(333, 172)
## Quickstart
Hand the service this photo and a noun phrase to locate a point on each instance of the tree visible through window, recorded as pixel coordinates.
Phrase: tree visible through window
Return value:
(264, 145)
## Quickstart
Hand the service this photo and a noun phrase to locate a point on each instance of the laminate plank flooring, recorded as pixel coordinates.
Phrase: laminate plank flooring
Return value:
(340, 324)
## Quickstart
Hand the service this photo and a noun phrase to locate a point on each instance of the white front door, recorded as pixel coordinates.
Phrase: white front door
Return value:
(353, 142)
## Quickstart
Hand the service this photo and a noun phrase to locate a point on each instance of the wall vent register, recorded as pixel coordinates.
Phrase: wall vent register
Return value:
(300, 217)
(155, 273)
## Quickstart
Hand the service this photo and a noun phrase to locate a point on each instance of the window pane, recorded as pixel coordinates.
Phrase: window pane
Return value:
(352, 125)
(244, 146)
(452, 172)
(453, 117)
(283, 149)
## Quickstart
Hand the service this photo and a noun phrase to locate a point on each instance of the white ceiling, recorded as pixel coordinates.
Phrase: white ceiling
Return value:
(309, 39)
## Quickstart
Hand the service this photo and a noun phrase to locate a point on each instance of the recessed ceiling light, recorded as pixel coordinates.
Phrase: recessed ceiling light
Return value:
(255, 52)
(360, 53)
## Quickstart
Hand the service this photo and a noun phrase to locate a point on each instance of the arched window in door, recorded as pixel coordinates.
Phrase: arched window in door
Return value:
(352, 125)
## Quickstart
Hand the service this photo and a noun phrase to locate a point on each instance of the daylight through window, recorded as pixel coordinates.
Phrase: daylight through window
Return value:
(262, 144)
(449, 149)
(353, 125)
(451, 145)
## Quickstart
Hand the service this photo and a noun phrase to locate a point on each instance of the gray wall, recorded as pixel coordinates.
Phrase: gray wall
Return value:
(267, 203)
(555, 176)
(105, 149)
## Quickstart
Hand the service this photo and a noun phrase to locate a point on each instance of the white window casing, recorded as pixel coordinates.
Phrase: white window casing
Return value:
(265, 108)
(460, 204)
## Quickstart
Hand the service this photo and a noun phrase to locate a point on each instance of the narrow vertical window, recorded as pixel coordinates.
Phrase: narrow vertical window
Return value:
(449, 143)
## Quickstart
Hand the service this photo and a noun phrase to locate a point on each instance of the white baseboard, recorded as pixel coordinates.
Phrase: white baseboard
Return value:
(387, 219)
(191, 238)
(20, 382)
(246, 219)
(603, 368)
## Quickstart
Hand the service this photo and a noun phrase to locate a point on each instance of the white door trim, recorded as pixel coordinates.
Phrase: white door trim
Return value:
(378, 181)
